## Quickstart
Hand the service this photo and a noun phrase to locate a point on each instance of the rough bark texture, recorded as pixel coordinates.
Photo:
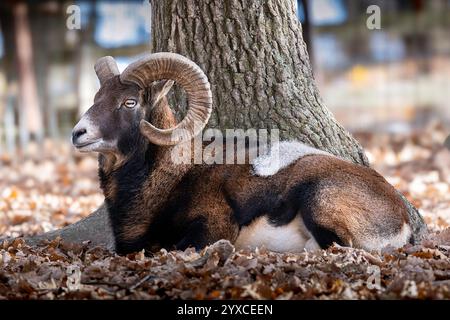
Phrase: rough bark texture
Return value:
(258, 66)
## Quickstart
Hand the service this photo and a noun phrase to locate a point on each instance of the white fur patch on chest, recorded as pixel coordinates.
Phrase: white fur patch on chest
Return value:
(292, 237)
(281, 155)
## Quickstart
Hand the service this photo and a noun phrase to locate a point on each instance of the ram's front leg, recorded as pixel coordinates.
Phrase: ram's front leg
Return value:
(131, 238)
(195, 235)
(208, 228)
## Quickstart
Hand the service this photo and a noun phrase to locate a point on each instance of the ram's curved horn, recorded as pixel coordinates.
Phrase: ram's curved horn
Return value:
(106, 68)
(190, 77)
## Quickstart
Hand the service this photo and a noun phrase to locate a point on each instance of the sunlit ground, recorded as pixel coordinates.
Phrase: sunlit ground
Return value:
(49, 190)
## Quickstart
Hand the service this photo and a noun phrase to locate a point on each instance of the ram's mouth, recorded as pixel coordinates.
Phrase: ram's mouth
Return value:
(88, 146)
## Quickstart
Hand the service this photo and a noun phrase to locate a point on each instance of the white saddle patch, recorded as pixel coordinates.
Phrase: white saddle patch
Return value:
(281, 155)
(292, 237)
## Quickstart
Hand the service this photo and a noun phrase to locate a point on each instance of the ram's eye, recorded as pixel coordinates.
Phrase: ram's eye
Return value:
(130, 103)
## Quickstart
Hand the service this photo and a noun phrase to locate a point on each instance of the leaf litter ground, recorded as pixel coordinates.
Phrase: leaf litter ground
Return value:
(61, 187)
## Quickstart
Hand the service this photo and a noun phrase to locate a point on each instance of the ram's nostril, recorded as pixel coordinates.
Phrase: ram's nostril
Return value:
(78, 133)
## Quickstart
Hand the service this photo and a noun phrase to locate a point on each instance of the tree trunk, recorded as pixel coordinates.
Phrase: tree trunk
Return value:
(9, 62)
(95, 228)
(30, 114)
(254, 55)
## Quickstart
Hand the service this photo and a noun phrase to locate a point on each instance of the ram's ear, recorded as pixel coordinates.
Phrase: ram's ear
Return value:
(159, 90)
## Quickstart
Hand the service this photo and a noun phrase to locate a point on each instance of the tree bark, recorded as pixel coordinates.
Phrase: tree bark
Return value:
(255, 57)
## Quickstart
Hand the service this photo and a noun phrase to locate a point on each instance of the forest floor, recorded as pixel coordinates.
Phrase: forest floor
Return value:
(61, 187)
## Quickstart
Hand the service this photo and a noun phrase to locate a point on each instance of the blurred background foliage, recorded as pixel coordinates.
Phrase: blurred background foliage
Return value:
(393, 79)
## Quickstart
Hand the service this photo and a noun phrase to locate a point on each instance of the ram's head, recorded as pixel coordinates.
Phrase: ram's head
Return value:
(120, 112)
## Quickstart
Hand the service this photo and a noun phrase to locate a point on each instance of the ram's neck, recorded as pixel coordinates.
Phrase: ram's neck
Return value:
(164, 174)
(162, 116)
(136, 190)
(146, 160)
